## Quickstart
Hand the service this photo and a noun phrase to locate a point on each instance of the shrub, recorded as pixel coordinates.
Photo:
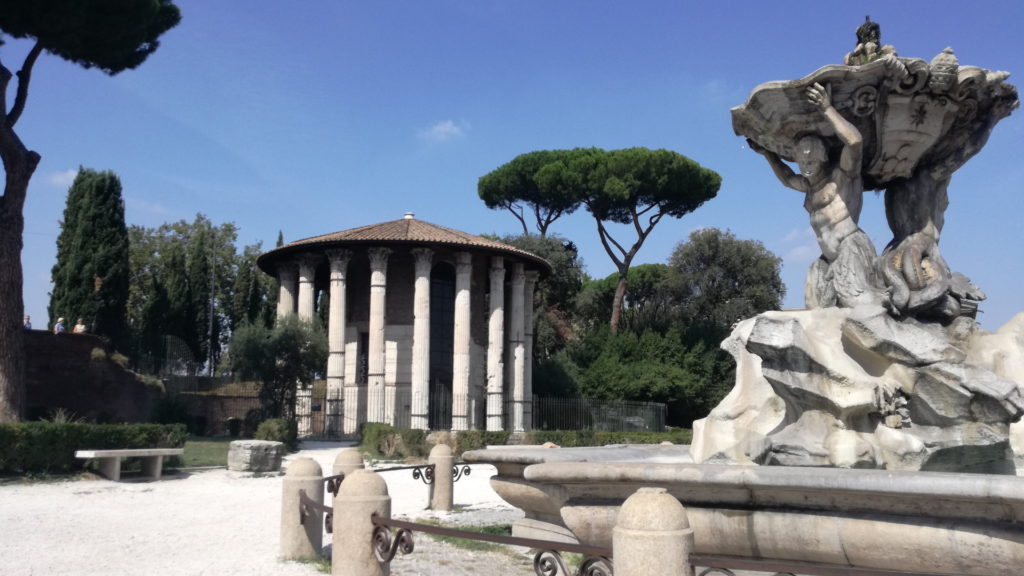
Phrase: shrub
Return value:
(385, 441)
(98, 355)
(119, 359)
(576, 438)
(49, 447)
(414, 442)
(170, 410)
(467, 440)
(280, 430)
(376, 439)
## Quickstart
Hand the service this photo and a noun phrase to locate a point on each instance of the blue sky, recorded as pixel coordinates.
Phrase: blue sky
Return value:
(317, 116)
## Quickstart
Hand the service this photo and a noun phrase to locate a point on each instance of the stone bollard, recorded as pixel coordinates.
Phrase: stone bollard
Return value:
(348, 461)
(442, 490)
(301, 540)
(652, 535)
(362, 493)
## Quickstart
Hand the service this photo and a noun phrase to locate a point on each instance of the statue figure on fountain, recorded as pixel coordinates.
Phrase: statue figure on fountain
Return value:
(844, 275)
(887, 366)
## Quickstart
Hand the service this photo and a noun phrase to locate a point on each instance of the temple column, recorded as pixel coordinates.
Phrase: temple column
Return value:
(307, 275)
(461, 344)
(496, 344)
(518, 349)
(286, 277)
(336, 340)
(421, 340)
(376, 401)
(530, 284)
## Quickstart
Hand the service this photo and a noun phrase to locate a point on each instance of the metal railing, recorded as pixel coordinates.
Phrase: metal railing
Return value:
(392, 536)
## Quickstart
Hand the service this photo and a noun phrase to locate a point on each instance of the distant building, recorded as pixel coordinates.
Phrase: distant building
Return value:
(428, 327)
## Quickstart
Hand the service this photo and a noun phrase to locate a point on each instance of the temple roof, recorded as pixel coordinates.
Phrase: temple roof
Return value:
(407, 231)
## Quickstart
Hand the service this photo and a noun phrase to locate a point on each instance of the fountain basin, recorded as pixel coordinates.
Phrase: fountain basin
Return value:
(896, 520)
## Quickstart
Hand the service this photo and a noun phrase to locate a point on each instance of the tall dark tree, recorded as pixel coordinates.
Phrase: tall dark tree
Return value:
(111, 36)
(90, 278)
(720, 279)
(200, 290)
(253, 293)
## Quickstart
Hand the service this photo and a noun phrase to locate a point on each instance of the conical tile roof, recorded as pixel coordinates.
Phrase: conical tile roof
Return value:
(406, 231)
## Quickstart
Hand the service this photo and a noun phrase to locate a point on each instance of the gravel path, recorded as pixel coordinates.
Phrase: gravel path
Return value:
(218, 523)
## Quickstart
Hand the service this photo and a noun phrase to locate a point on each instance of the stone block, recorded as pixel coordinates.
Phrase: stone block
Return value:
(255, 456)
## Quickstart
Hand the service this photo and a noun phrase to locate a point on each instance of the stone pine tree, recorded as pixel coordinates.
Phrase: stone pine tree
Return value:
(637, 187)
(111, 36)
(634, 187)
(90, 278)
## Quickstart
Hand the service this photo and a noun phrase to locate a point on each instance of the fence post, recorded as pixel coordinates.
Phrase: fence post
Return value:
(347, 461)
(301, 540)
(363, 493)
(442, 490)
(652, 535)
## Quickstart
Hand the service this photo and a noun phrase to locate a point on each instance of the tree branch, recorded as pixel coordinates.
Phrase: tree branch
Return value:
(24, 76)
(5, 80)
(517, 211)
(602, 233)
(636, 220)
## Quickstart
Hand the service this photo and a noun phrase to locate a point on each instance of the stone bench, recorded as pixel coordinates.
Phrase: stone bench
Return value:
(110, 460)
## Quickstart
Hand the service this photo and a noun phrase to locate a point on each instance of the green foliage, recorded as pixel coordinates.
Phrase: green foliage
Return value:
(112, 36)
(284, 430)
(90, 278)
(476, 545)
(46, 447)
(466, 440)
(676, 367)
(633, 186)
(385, 441)
(646, 305)
(719, 279)
(170, 410)
(548, 182)
(188, 281)
(574, 438)
(291, 352)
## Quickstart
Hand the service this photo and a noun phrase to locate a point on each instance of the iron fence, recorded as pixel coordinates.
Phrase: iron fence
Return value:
(319, 416)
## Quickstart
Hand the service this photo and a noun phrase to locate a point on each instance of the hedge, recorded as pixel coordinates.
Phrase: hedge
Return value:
(577, 438)
(48, 447)
(383, 440)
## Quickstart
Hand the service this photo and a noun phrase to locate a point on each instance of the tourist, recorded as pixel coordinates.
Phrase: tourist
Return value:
(79, 327)
(58, 328)
(28, 322)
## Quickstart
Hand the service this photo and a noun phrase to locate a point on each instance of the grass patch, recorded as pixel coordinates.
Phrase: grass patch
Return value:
(473, 545)
(203, 451)
(322, 565)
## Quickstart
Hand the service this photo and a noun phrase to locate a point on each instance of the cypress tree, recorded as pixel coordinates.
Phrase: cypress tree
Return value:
(90, 278)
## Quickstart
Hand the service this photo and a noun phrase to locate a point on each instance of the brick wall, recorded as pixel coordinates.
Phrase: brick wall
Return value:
(61, 373)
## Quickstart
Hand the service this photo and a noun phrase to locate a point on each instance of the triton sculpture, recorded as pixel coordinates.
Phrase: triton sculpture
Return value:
(887, 367)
